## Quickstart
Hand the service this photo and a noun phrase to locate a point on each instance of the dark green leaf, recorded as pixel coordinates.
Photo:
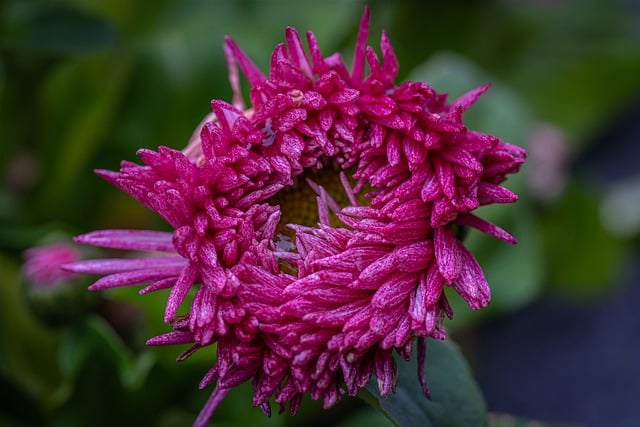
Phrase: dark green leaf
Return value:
(368, 418)
(456, 399)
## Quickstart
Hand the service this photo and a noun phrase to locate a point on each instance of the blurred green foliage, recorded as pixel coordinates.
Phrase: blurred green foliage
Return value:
(85, 83)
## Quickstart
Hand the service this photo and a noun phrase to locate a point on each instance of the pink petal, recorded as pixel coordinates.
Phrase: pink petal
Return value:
(134, 277)
(237, 55)
(422, 355)
(296, 51)
(471, 284)
(171, 338)
(446, 250)
(391, 65)
(446, 178)
(158, 285)
(394, 291)
(180, 290)
(386, 372)
(117, 265)
(359, 53)
(468, 99)
(414, 257)
(489, 193)
(142, 240)
(486, 227)
(209, 408)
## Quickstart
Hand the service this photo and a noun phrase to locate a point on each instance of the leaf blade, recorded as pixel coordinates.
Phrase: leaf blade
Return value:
(456, 399)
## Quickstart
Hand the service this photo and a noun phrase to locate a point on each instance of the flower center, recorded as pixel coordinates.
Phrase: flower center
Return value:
(298, 203)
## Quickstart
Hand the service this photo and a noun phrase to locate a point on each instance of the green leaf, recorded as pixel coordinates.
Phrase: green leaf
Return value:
(366, 418)
(456, 399)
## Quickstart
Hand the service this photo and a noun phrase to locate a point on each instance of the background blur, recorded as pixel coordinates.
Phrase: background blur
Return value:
(85, 83)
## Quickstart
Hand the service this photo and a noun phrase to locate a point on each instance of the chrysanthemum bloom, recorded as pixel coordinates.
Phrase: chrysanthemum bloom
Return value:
(55, 296)
(43, 264)
(322, 314)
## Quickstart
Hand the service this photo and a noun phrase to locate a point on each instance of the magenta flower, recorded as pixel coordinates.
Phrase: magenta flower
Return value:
(322, 314)
(43, 264)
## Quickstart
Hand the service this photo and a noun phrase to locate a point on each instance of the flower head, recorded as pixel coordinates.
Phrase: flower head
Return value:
(43, 264)
(55, 296)
(321, 314)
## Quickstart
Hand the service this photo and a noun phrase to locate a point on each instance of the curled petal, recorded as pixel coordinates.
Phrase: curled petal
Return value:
(471, 284)
(446, 251)
(180, 290)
